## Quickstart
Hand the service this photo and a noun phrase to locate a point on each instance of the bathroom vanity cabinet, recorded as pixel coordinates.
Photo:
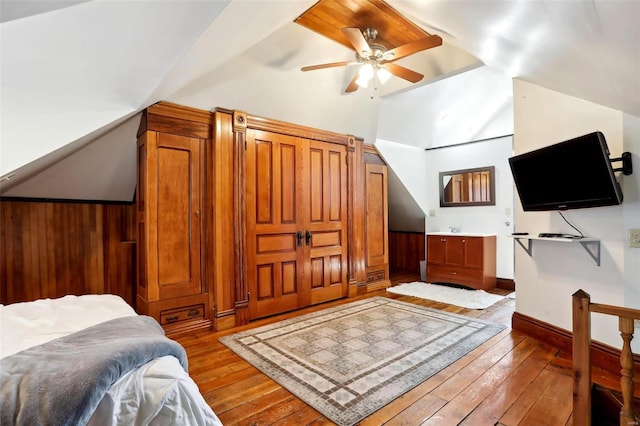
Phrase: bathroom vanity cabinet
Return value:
(466, 259)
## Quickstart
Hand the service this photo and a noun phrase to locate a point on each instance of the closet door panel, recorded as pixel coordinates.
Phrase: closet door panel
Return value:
(327, 220)
(174, 256)
(316, 186)
(273, 223)
(376, 215)
(336, 187)
(288, 181)
(178, 215)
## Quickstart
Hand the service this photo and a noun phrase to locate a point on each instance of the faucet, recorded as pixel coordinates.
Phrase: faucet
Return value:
(454, 229)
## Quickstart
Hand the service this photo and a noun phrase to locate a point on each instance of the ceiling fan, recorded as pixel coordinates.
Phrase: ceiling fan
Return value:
(376, 59)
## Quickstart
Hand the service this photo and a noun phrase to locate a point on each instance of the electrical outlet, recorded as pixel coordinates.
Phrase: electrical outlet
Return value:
(432, 213)
(634, 238)
(636, 324)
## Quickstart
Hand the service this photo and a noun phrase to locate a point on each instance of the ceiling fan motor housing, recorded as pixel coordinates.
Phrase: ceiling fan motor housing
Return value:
(376, 54)
(370, 34)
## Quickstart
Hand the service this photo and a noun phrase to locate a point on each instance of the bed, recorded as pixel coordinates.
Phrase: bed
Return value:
(158, 391)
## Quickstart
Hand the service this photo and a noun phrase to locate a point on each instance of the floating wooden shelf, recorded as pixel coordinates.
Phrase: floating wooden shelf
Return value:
(591, 245)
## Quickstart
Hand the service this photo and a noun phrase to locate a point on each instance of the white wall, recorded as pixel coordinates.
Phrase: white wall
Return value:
(408, 163)
(474, 105)
(496, 219)
(546, 280)
(631, 218)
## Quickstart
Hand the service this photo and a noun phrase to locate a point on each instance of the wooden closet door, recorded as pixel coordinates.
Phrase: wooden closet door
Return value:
(173, 216)
(274, 217)
(325, 183)
(376, 219)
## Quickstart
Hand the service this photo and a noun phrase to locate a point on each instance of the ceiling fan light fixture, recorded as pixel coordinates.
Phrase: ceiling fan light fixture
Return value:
(365, 75)
(377, 62)
(383, 75)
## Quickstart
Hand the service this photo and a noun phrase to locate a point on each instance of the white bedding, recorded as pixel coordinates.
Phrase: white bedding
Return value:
(159, 392)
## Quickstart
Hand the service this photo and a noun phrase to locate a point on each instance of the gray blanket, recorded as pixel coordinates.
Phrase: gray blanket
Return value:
(62, 381)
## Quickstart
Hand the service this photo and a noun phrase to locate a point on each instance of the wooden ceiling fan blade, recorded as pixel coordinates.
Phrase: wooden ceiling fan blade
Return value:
(353, 86)
(402, 72)
(413, 47)
(329, 65)
(358, 41)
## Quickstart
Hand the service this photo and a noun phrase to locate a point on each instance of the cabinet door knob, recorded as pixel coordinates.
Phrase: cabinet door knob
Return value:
(464, 241)
(454, 273)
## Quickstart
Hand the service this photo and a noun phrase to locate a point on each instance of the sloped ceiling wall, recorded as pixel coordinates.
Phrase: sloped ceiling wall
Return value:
(474, 105)
(72, 71)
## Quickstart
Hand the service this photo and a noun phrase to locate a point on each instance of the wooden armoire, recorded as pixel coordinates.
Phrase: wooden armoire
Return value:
(376, 220)
(169, 206)
(240, 217)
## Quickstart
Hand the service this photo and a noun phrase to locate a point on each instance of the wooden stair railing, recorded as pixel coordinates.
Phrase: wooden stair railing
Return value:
(582, 308)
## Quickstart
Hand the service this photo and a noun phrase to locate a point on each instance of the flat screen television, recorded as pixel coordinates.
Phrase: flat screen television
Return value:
(573, 174)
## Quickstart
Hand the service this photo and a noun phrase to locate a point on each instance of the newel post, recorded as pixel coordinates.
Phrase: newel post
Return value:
(581, 359)
(627, 416)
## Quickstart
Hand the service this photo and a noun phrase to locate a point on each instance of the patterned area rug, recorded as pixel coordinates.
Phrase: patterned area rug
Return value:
(471, 299)
(349, 361)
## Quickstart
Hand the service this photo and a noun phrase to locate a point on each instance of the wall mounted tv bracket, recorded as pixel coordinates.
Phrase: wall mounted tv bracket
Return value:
(626, 168)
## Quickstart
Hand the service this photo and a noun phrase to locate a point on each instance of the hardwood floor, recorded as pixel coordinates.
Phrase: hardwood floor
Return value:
(512, 379)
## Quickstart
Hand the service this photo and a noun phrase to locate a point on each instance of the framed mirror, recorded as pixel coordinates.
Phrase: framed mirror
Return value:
(468, 187)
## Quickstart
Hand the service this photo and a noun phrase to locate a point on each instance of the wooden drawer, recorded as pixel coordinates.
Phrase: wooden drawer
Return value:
(453, 274)
(375, 276)
(184, 313)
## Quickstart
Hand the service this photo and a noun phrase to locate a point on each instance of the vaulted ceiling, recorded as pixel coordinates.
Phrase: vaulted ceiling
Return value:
(75, 74)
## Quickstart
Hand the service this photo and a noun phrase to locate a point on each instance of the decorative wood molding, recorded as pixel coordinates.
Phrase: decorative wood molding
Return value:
(353, 288)
(378, 285)
(370, 149)
(603, 356)
(260, 123)
(361, 288)
(356, 213)
(239, 211)
(192, 326)
(351, 143)
(224, 320)
(175, 119)
(239, 121)
(221, 237)
(182, 112)
(372, 156)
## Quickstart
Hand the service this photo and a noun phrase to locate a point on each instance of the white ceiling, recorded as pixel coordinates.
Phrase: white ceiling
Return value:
(72, 72)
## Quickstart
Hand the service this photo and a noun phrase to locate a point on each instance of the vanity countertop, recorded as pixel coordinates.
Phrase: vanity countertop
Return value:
(462, 234)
